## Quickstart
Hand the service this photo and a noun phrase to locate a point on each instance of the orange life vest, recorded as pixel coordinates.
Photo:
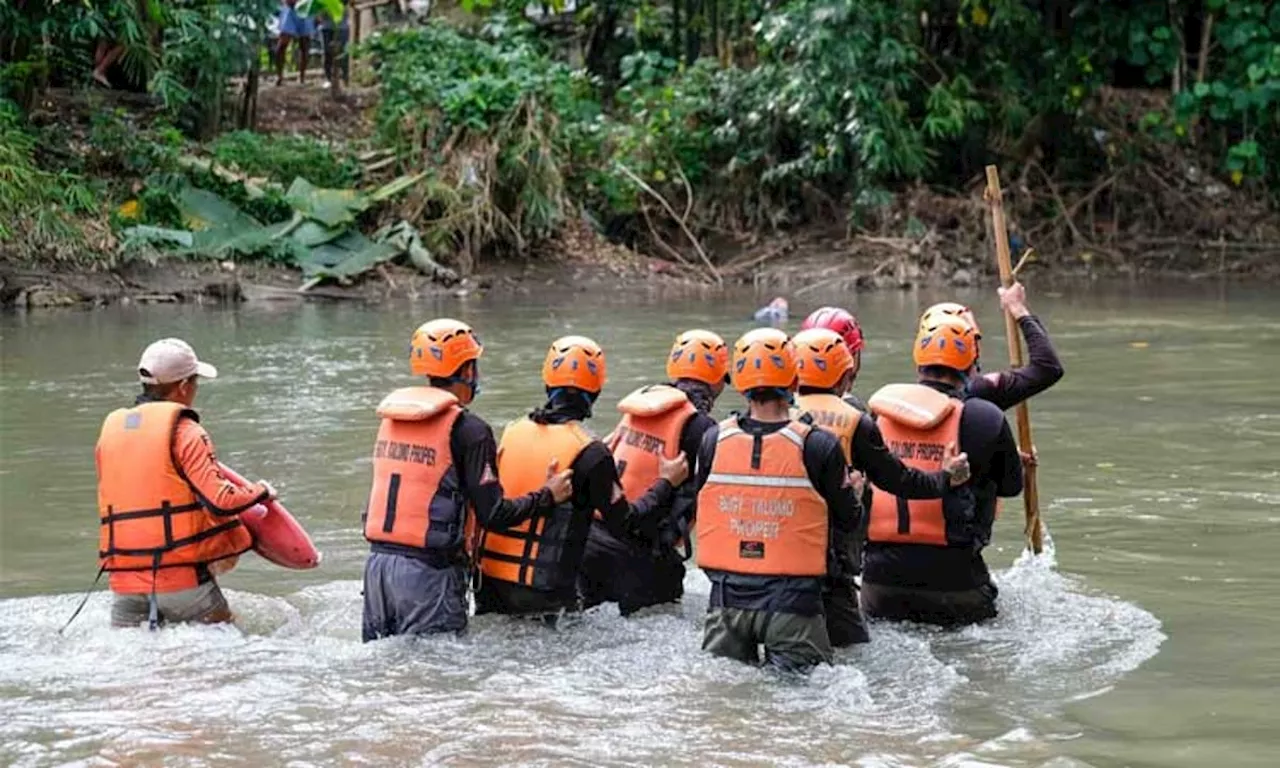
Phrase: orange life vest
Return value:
(532, 554)
(917, 423)
(833, 415)
(148, 514)
(653, 418)
(758, 512)
(417, 499)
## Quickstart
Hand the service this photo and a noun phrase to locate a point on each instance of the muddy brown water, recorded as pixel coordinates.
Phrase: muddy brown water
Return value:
(1146, 636)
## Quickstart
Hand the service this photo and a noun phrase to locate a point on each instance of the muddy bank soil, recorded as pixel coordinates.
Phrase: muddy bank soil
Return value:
(793, 266)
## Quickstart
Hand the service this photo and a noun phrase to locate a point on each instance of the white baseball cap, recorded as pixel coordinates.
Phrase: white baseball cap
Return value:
(169, 360)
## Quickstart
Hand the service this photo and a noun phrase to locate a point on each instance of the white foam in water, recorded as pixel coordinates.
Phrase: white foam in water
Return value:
(293, 683)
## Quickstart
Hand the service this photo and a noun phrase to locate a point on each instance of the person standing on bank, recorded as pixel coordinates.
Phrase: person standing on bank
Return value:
(773, 494)
(532, 569)
(826, 370)
(168, 518)
(658, 421)
(434, 466)
(923, 559)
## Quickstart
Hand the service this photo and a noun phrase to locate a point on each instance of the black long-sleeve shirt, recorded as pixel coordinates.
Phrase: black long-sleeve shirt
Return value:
(874, 459)
(475, 454)
(596, 486)
(1043, 369)
(995, 470)
(828, 471)
(685, 504)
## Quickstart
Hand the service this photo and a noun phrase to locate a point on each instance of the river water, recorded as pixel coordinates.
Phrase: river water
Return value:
(1145, 636)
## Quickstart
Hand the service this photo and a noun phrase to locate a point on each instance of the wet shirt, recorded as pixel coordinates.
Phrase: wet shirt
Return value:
(995, 470)
(1008, 388)
(829, 473)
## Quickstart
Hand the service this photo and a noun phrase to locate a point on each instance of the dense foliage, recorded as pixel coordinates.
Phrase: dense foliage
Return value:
(760, 116)
(185, 52)
(731, 115)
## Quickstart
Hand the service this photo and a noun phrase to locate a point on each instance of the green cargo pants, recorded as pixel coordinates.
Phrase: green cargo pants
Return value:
(791, 642)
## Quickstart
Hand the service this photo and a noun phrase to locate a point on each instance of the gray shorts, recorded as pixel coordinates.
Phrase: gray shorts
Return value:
(792, 643)
(202, 605)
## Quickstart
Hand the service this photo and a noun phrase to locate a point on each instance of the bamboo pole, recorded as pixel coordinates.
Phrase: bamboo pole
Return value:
(1033, 530)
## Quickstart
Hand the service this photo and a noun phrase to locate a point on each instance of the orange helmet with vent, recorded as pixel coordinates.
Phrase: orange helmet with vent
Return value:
(822, 358)
(699, 355)
(442, 346)
(574, 361)
(949, 341)
(951, 309)
(764, 357)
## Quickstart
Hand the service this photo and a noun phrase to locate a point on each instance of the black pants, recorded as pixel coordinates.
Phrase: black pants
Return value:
(335, 55)
(927, 606)
(509, 599)
(634, 577)
(845, 625)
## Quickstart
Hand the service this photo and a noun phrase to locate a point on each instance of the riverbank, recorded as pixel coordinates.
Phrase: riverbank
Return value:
(794, 266)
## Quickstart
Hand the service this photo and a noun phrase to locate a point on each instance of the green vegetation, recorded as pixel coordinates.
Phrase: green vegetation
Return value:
(695, 116)
(284, 158)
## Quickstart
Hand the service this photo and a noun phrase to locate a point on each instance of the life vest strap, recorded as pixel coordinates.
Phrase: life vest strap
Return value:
(138, 514)
(791, 435)
(171, 545)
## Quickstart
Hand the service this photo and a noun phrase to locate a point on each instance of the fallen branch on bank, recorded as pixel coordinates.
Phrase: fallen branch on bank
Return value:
(684, 227)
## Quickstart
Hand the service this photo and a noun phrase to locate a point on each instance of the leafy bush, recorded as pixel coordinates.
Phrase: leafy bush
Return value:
(34, 201)
(489, 121)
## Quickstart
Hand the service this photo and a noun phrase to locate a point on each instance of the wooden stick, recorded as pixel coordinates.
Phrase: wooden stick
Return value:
(1030, 492)
(1022, 261)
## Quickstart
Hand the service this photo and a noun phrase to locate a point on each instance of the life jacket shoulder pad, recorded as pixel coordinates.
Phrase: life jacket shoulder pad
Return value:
(416, 403)
(652, 400)
(912, 405)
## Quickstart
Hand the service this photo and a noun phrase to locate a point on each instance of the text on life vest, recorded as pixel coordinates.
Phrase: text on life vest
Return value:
(414, 454)
(919, 451)
(749, 516)
(831, 419)
(642, 441)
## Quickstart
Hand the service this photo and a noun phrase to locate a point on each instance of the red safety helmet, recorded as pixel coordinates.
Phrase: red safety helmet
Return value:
(841, 321)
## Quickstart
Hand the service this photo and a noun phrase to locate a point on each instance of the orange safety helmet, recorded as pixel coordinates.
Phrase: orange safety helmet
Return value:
(574, 361)
(822, 357)
(442, 346)
(949, 341)
(699, 355)
(951, 309)
(764, 357)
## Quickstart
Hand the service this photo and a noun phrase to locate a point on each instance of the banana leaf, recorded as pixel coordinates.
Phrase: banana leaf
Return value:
(156, 236)
(330, 207)
(203, 210)
(311, 233)
(347, 256)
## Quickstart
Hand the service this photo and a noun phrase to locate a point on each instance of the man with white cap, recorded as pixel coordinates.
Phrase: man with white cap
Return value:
(168, 518)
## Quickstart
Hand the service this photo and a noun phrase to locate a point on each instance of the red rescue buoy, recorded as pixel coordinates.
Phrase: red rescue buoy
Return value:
(277, 536)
